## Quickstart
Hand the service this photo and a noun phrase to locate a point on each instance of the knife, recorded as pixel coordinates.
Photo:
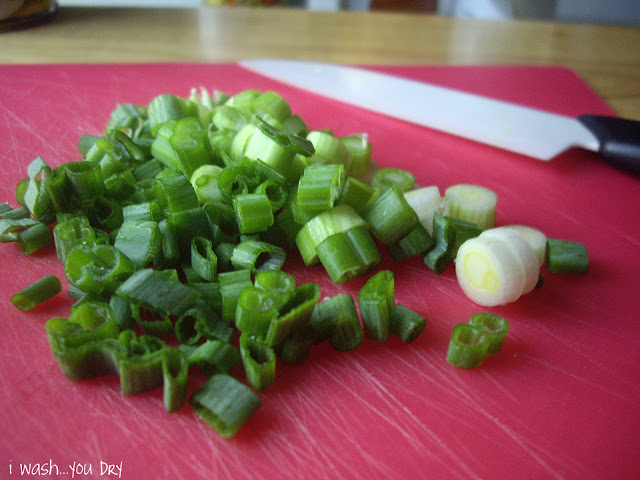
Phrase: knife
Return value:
(527, 131)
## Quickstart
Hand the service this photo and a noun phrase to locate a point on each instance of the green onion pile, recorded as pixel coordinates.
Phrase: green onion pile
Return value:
(174, 227)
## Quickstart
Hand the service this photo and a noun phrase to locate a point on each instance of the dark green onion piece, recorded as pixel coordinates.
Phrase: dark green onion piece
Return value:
(203, 259)
(391, 217)
(336, 319)
(72, 232)
(564, 256)
(418, 241)
(339, 219)
(141, 373)
(295, 313)
(225, 403)
(444, 235)
(97, 269)
(288, 141)
(86, 181)
(34, 238)
(275, 191)
(185, 326)
(297, 346)
(213, 356)
(406, 324)
(495, 328)
(259, 362)
(11, 227)
(255, 311)
(257, 256)
(176, 194)
(94, 358)
(121, 312)
(36, 293)
(279, 285)
(13, 213)
(88, 350)
(464, 231)
(376, 300)
(36, 199)
(231, 284)
(159, 291)
(468, 346)
(141, 242)
(175, 374)
(349, 254)
(223, 222)
(238, 180)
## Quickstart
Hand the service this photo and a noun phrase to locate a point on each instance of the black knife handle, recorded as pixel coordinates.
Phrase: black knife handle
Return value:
(619, 140)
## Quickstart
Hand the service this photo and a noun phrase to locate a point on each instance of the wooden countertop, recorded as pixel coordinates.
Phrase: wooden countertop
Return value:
(606, 57)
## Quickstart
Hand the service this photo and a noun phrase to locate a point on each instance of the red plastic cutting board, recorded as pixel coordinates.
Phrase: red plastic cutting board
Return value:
(560, 401)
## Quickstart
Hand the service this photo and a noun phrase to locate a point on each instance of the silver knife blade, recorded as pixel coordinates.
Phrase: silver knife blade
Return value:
(524, 130)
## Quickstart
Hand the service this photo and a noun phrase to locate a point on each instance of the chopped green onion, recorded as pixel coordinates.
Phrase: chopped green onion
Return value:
(213, 356)
(225, 404)
(174, 376)
(296, 348)
(70, 233)
(159, 291)
(11, 227)
(275, 192)
(86, 181)
(253, 212)
(98, 268)
(203, 259)
(238, 179)
(141, 242)
(36, 199)
(259, 361)
(33, 238)
(464, 231)
(36, 293)
(360, 149)
(390, 217)
(444, 235)
(416, 242)
(495, 328)
(328, 149)
(346, 255)
(406, 324)
(255, 311)
(376, 300)
(278, 284)
(231, 284)
(293, 314)
(472, 203)
(337, 220)
(358, 195)
(468, 346)
(257, 256)
(563, 256)
(320, 187)
(336, 319)
(387, 177)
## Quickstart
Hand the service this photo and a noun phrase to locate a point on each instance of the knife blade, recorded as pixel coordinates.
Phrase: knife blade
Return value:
(528, 131)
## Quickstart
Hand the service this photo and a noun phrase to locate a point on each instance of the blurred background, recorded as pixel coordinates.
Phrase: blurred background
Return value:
(618, 12)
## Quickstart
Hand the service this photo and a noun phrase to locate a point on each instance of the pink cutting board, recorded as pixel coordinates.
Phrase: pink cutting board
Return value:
(560, 401)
